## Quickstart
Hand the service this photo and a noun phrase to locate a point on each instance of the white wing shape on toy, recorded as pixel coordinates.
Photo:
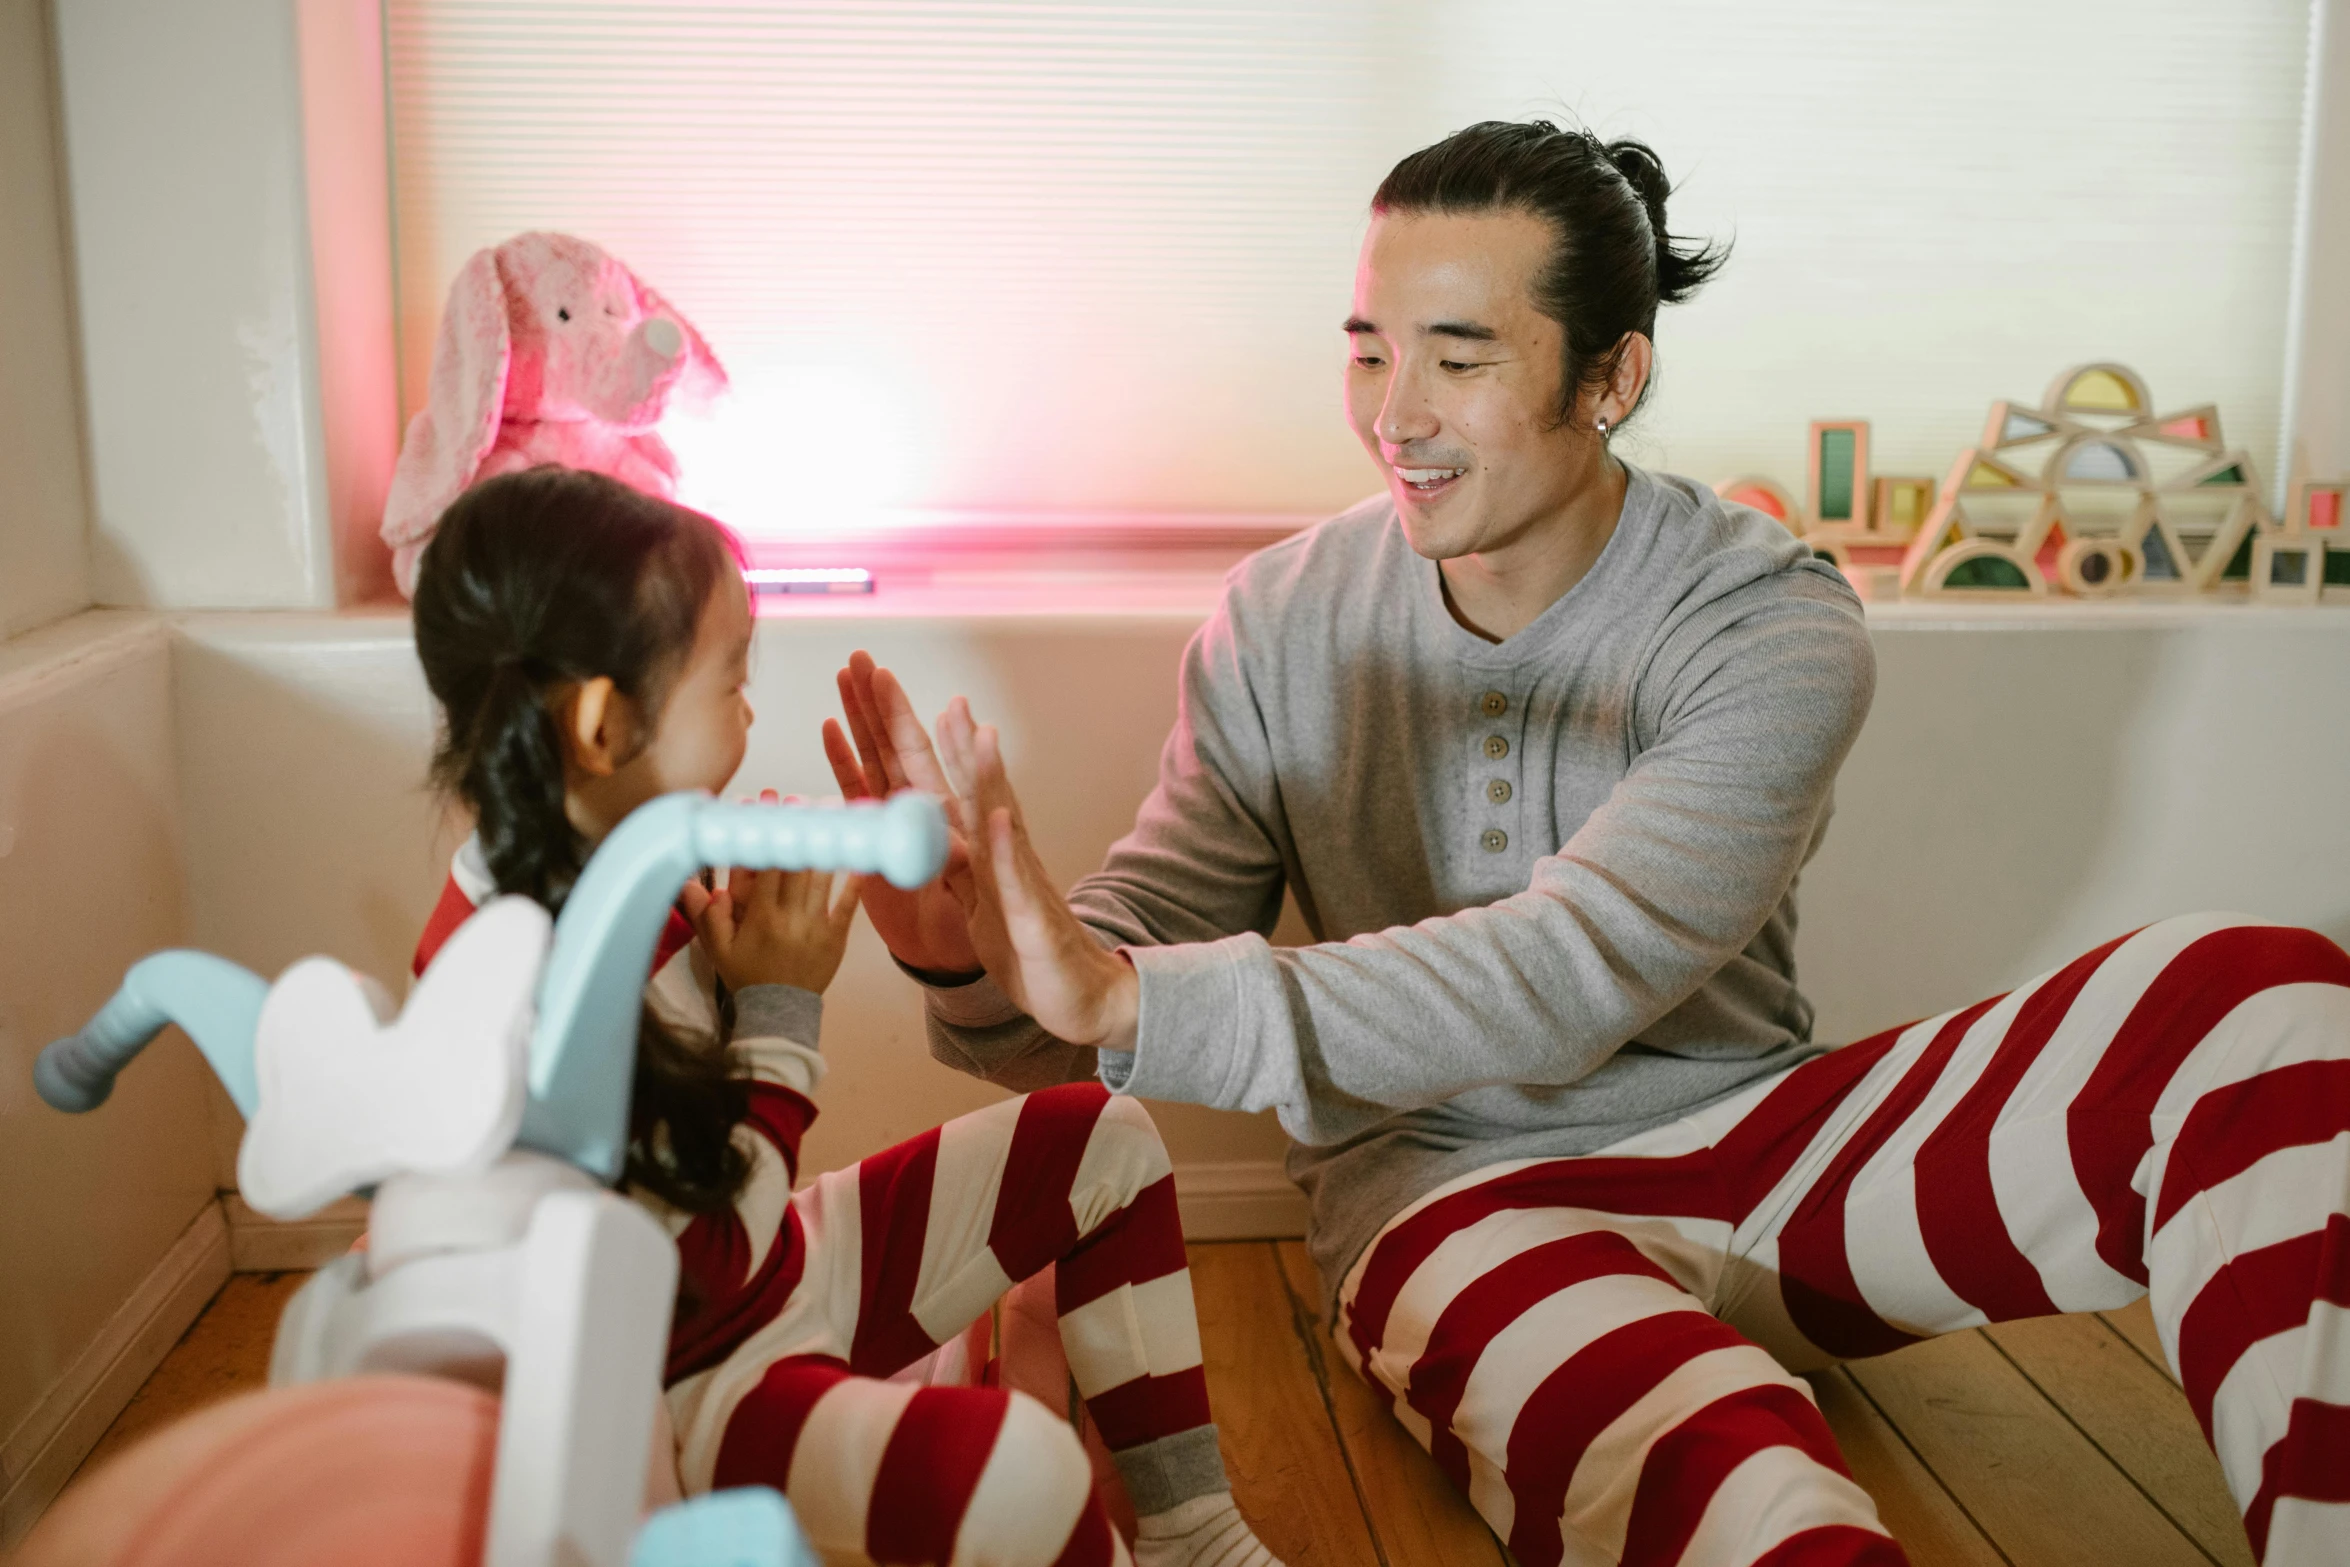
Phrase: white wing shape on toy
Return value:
(349, 1095)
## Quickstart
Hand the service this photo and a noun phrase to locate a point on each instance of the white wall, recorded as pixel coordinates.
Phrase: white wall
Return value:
(2031, 785)
(44, 570)
(240, 408)
(96, 1276)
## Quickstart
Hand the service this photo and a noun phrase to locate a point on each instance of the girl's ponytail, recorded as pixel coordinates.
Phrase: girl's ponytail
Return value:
(533, 583)
(513, 775)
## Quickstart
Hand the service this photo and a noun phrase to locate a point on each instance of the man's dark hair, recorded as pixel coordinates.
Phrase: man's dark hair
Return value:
(1612, 261)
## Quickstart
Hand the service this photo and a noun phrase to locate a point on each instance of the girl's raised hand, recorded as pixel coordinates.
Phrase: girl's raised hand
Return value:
(775, 927)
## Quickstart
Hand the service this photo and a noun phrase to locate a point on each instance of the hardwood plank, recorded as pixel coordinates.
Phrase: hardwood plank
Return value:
(2137, 1416)
(2135, 1322)
(1924, 1517)
(1420, 1519)
(1288, 1470)
(224, 1353)
(2039, 1489)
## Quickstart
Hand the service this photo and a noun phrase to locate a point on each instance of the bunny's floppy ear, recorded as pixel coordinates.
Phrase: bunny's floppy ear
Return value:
(703, 378)
(448, 439)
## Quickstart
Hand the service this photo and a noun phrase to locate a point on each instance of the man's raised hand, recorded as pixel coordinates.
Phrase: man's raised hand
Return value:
(925, 928)
(1032, 945)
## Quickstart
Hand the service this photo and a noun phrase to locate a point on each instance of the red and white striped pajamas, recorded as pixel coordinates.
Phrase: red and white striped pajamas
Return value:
(776, 1362)
(793, 1307)
(1598, 1350)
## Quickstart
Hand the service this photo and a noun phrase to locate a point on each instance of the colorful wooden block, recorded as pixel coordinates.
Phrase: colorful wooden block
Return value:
(2287, 568)
(1986, 473)
(2100, 391)
(1899, 507)
(1767, 496)
(2093, 568)
(1840, 473)
(2096, 459)
(2194, 427)
(2224, 470)
(2012, 426)
(1982, 568)
(2319, 506)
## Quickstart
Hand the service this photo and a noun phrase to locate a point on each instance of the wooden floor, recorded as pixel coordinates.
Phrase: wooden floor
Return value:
(2041, 1444)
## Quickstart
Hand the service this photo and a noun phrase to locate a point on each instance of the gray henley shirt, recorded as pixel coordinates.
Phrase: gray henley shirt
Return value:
(1551, 881)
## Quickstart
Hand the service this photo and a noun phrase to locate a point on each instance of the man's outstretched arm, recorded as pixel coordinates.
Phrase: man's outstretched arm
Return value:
(1655, 894)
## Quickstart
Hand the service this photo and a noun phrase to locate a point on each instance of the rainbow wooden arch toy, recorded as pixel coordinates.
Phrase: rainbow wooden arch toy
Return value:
(2093, 493)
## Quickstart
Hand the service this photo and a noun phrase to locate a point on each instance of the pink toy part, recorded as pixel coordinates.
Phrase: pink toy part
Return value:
(2325, 507)
(378, 1471)
(550, 351)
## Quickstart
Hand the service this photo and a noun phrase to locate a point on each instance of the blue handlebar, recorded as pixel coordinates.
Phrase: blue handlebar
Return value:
(218, 1003)
(585, 1045)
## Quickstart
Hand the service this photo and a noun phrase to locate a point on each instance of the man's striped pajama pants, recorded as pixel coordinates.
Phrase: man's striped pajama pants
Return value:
(1598, 1350)
(902, 1252)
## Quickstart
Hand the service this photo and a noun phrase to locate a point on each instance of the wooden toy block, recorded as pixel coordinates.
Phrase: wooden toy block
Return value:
(2097, 459)
(2225, 470)
(1945, 526)
(2228, 558)
(2193, 427)
(2101, 391)
(1840, 473)
(2161, 564)
(2010, 425)
(2040, 540)
(2320, 506)
(2288, 568)
(1899, 507)
(1983, 473)
(2094, 568)
(1767, 496)
(1981, 568)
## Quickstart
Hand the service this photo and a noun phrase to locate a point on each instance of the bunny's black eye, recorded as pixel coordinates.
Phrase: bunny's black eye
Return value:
(562, 314)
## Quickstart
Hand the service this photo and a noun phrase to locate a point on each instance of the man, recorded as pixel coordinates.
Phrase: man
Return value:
(1539, 743)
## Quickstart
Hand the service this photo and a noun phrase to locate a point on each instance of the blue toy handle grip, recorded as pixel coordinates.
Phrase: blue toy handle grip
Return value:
(218, 1003)
(904, 841)
(76, 1073)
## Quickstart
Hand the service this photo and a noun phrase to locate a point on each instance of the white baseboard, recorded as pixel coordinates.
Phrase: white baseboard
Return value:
(1219, 1202)
(49, 1444)
(1239, 1202)
(258, 1243)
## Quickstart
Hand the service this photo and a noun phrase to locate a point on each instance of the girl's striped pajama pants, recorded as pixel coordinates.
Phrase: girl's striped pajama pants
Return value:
(1598, 1350)
(906, 1249)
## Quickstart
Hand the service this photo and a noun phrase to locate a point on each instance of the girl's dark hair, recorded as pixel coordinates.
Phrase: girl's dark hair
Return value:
(533, 583)
(1612, 261)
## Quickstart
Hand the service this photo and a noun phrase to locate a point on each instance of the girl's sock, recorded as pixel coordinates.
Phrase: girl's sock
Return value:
(1206, 1531)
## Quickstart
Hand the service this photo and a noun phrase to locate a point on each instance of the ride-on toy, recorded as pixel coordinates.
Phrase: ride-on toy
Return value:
(489, 1117)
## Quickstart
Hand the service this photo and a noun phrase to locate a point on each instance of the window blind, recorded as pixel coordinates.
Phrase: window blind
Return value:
(1091, 258)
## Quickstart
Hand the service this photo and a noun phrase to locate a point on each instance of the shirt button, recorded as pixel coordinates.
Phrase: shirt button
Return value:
(1496, 747)
(1495, 840)
(1498, 791)
(1493, 704)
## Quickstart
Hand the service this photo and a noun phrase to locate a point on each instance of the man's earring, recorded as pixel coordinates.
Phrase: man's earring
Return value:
(1601, 426)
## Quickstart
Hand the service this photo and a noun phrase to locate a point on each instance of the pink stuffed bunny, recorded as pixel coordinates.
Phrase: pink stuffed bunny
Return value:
(550, 352)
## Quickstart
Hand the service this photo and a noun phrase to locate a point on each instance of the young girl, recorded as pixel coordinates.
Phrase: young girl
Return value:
(588, 646)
